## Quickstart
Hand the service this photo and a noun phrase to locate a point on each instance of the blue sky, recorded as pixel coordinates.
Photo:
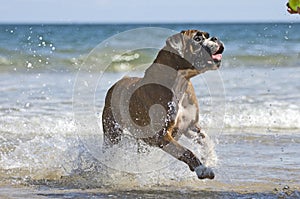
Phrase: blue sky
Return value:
(107, 11)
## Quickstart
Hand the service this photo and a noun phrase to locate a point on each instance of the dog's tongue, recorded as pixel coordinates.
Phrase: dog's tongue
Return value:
(217, 56)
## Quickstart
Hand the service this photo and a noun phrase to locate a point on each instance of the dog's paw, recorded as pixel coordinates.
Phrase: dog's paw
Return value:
(200, 139)
(204, 172)
(202, 135)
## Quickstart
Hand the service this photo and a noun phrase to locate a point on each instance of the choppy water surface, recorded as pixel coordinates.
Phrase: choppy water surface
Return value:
(253, 118)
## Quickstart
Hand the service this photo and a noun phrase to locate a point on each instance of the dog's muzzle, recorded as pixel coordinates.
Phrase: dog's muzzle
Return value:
(217, 56)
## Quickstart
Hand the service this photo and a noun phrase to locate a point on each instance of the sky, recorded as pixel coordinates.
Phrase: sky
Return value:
(143, 11)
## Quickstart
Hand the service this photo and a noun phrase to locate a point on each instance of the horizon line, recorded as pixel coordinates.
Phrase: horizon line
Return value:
(143, 23)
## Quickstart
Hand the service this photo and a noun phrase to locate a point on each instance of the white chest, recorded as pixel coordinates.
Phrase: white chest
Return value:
(187, 113)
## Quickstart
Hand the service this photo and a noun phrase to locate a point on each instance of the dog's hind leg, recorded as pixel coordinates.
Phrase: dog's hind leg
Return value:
(185, 155)
(111, 129)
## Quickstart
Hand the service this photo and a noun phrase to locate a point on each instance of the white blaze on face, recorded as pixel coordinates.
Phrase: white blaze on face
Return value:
(212, 45)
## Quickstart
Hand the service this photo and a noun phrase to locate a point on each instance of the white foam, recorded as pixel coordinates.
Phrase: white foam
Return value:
(127, 58)
(270, 115)
(48, 148)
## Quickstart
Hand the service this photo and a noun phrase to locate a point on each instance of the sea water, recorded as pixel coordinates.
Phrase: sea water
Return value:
(250, 108)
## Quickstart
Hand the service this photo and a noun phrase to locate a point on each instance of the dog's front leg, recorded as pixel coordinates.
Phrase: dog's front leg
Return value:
(185, 155)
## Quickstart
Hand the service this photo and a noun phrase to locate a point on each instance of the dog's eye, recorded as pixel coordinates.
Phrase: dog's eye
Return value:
(198, 38)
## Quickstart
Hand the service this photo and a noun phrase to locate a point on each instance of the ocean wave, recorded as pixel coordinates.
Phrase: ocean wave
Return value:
(267, 116)
(66, 46)
(127, 62)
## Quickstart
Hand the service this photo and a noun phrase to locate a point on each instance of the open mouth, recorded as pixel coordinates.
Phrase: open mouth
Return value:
(217, 56)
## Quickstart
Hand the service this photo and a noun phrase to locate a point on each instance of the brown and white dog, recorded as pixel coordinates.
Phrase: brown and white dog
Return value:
(162, 105)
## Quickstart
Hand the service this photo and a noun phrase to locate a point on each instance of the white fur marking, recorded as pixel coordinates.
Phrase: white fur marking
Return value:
(186, 113)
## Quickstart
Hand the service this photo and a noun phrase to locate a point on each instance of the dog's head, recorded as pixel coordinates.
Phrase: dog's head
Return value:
(198, 48)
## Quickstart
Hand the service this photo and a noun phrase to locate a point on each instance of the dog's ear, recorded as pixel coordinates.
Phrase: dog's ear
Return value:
(175, 44)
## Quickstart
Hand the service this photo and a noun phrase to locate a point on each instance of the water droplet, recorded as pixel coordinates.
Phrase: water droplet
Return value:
(286, 187)
(29, 65)
(40, 38)
(27, 105)
(97, 115)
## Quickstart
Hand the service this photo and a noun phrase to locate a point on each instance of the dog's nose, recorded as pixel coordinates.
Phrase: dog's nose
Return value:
(214, 39)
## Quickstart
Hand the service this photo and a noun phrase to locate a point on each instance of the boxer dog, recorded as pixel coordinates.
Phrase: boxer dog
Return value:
(162, 105)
